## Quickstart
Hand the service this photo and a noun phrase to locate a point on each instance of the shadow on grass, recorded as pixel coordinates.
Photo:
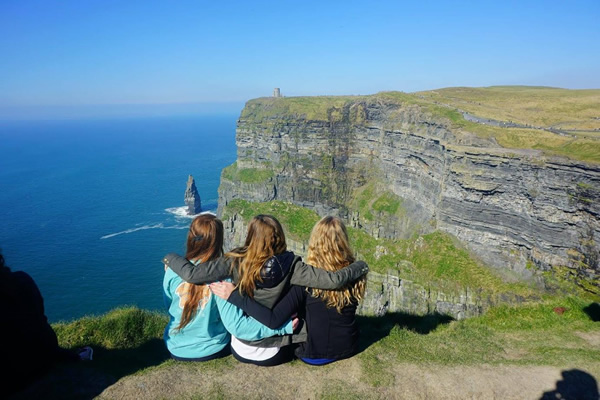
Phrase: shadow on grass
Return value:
(575, 384)
(123, 362)
(593, 311)
(373, 329)
(87, 379)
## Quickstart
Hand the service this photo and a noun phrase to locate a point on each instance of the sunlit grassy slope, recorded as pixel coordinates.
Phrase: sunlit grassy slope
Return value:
(537, 106)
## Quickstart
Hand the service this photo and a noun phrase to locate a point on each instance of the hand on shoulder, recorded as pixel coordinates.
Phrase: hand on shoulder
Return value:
(222, 289)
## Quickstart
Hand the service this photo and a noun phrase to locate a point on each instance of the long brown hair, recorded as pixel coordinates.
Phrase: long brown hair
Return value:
(204, 243)
(329, 249)
(265, 238)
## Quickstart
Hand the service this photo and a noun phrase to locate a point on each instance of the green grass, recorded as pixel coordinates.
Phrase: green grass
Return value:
(129, 341)
(362, 201)
(537, 106)
(437, 260)
(368, 200)
(317, 108)
(530, 334)
(297, 221)
(561, 280)
(125, 340)
(248, 175)
(121, 328)
(534, 106)
(388, 202)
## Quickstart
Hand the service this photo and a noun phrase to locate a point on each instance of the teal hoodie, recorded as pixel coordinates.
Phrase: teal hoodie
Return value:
(209, 331)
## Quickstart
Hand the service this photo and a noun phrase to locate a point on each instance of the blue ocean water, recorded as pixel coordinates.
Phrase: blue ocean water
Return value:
(89, 207)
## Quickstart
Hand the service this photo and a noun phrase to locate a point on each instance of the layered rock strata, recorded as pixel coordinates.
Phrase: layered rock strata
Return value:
(517, 210)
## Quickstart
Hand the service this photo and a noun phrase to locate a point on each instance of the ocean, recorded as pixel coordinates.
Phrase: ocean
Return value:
(89, 207)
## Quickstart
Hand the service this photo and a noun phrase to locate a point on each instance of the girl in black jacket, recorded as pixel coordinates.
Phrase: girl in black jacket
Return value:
(330, 315)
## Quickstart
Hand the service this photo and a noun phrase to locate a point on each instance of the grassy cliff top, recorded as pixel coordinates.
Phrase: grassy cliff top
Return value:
(567, 109)
(130, 359)
(573, 115)
(310, 108)
(538, 106)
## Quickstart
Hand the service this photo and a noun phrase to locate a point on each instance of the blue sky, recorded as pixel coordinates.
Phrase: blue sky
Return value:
(56, 55)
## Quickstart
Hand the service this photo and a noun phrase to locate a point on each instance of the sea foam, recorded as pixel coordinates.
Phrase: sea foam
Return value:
(181, 212)
(144, 227)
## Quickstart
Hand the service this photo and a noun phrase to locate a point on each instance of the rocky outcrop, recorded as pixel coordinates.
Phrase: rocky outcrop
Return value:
(516, 209)
(388, 293)
(192, 198)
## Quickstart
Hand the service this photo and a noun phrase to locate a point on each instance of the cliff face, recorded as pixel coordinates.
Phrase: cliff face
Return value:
(395, 169)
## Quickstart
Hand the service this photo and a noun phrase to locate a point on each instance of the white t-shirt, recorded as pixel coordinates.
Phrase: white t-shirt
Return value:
(251, 352)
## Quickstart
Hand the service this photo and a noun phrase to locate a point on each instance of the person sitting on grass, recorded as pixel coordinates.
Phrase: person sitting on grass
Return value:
(330, 315)
(264, 270)
(200, 324)
(28, 344)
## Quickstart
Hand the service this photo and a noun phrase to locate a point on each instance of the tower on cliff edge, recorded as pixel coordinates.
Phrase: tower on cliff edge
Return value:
(192, 198)
(276, 92)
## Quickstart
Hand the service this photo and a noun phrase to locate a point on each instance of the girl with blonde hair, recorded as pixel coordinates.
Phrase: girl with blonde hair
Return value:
(330, 315)
(200, 324)
(264, 271)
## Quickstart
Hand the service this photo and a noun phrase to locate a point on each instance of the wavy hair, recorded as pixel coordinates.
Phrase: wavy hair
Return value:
(204, 243)
(265, 238)
(329, 249)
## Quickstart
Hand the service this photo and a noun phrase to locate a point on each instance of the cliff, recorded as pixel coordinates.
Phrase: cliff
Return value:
(395, 165)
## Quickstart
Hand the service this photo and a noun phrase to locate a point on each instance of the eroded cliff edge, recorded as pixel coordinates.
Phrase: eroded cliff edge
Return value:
(395, 167)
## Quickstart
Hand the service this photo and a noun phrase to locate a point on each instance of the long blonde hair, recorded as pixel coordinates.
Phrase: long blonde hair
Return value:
(265, 238)
(204, 243)
(329, 249)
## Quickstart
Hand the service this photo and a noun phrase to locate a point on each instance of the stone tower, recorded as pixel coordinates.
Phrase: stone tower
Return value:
(192, 198)
(276, 92)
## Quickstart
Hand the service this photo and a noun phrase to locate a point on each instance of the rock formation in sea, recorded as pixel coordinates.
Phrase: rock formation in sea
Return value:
(192, 198)
(394, 169)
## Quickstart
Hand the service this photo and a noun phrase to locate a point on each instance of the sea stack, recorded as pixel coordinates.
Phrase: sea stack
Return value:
(192, 198)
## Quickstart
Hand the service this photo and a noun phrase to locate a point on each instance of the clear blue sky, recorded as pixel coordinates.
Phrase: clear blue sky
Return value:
(58, 54)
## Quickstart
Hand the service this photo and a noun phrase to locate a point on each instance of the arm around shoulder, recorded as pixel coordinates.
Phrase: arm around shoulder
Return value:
(209, 271)
(307, 275)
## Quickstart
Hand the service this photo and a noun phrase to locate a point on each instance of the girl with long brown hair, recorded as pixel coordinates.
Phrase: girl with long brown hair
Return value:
(264, 270)
(200, 324)
(330, 315)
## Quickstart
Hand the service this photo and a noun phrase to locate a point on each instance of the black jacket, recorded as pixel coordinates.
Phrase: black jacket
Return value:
(331, 335)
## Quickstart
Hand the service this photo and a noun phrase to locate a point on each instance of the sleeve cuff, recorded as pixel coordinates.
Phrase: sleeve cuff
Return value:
(289, 329)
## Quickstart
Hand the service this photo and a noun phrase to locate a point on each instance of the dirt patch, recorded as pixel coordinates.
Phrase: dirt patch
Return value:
(345, 379)
(593, 337)
(342, 380)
